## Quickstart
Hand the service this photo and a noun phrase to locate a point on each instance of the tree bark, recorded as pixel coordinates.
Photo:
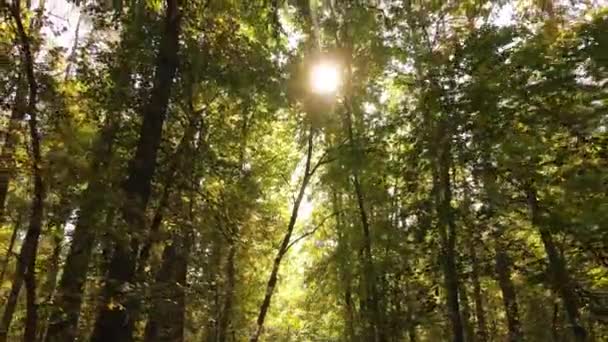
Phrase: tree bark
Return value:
(447, 230)
(113, 322)
(509, 297)
(11, 245)
(7, 159)
(562, 282)
(374, 315)
(482, 330)
(55, 227)
(166, 321)
(226, 313)
(284, 247)
(176, 161)
(65, 314)
(27, 257)
(373, 305)
(502, 261)
(31, 312)
(344, 270)
(466, 313)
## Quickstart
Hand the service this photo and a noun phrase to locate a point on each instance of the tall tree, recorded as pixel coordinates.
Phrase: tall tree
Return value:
(26, 263)
(110, 324)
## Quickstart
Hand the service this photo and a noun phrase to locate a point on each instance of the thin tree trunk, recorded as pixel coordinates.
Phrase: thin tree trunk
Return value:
(344, 270)
(480, 314)
(284, 247)
(375, 321)
(555, 323)
(509, 297)
(447, 232)
(155, 227)
(502, 261)
(11, 245)
(65, 313)
(176, 162)
(412, 333)
(227, 308)
(226, 313)
(411, 316)
(56, 229)
(114, 323)
(466, 313)
(31, 320)
(7, 159)
(27, 257)
(72, 57)
(562, 282)
(51, 282)
(166, 321)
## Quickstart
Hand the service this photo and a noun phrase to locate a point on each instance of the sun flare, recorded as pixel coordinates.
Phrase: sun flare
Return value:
(324, 78)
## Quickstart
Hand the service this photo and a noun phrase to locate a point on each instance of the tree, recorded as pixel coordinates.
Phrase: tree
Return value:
(304, 171)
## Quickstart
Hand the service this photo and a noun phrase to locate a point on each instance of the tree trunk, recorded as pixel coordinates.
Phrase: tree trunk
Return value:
(555, 323)
(509, 296)
(226, 313)
(562, 282)
(373, 305)
(176, 162)
(482, 330)
(284, 247)
(65, 314)
(11, 245)
(502, 262)
(374, 315)
(447, 232)
(466, 313)
(114, 322)
(51, 282)
(410, 314)
(344, 270)
(166, 320)
(27, 257)
(7, 158)
(31, 316)
(56, 229)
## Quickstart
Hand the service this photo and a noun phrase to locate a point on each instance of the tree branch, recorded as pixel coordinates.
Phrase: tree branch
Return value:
(312, 231)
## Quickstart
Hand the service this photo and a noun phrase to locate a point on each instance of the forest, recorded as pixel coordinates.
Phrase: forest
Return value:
(304, 170)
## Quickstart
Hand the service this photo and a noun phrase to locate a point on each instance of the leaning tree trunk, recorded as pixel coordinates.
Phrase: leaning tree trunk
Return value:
(285, 244)
(561, 280)
(27, 257)
(113, 322)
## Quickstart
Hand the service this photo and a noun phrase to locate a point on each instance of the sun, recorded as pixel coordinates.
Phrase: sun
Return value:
(324, 78)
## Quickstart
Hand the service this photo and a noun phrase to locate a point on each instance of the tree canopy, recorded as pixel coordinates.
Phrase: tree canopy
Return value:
(304, 170)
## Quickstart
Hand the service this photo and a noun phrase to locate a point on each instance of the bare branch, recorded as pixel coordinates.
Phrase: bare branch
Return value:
(312, 231)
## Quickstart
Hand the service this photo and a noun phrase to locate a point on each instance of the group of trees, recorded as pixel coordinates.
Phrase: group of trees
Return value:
(156, 176)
